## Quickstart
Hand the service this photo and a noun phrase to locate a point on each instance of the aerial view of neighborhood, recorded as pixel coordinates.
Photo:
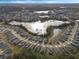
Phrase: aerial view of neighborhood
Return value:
(39, 31)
